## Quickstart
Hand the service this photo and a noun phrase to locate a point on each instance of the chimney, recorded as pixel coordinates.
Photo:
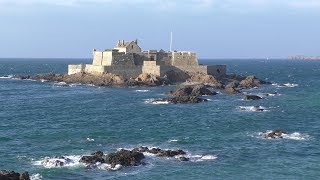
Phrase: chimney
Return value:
(136, 41)
(122, 42)
(118, 42)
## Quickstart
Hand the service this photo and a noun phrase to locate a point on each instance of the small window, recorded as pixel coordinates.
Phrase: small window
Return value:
(131, 46)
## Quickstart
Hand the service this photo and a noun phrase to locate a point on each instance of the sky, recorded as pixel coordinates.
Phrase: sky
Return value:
(212, 28)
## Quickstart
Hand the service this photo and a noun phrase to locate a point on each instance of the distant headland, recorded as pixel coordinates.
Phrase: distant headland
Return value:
(302, 57)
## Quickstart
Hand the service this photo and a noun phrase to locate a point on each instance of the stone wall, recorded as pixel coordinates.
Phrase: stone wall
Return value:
(125, 71)
(122, 60)
(76, 68)
(184, 59)
(150, 67)
(97, 58)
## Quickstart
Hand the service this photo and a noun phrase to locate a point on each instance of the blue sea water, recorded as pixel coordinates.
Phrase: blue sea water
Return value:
(41, 119)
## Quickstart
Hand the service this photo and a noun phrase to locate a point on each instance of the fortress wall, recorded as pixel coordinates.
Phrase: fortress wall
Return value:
(93, 69)
(125, 71)
(107, 58)
(150, 67)
(184, 59)
(122, 60)
(97, 57)
(76, 68)
(139, 58)
(163, 59)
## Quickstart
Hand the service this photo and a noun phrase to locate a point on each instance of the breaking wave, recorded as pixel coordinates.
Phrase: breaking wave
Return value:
(291, 136)
(6, 77)
(253, 108)
(291, 85)
(56, 162)
(142, 90)
(36, 177)
(155, 101)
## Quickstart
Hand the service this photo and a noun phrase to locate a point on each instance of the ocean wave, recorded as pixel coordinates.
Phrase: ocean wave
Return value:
(172, 140)
(36, 177)
(155, 101)
(61, 84)
(291, 136)
(291, 85)
(142, 90)
(253, 108)
(56, 162)
(6, 77)
(90, 139)
(263, 95)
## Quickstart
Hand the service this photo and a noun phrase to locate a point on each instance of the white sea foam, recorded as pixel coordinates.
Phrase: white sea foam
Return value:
(208, 157)
(43, 80)
(36, 177)
(291, 136)
(90, 139)
(142, 90)
(55, 162)
(155, 101)
(199, 158)
(253, 108)
(291, 85)
(105, 166)
(263, 95)
(60, 84)
(173, 140)
(6, 77)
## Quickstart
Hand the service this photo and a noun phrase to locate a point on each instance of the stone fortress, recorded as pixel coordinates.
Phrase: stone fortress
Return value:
(128, 60)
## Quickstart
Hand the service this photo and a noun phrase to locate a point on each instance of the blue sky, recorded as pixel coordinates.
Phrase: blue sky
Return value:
(212, 28)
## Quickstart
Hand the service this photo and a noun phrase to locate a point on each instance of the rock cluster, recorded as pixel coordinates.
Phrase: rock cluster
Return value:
(274, 134)
(251, 97)
(11, 175)
(128, 157)
(188, 94)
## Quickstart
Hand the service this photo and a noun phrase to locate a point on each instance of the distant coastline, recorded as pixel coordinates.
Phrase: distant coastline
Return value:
(301, 57)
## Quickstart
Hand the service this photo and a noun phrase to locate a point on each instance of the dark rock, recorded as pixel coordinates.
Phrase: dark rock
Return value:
(197, 90)
(11, 175)
(275, 134)
(251, 97)
(233, 84)
(182, 158)
(232, 91)
(205, 79)
(125, 158)
(185, 99)
(95, 157)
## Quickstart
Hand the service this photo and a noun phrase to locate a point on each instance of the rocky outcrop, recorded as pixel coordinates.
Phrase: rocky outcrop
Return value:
(274, 134)
(122, 157)
(251, 97)
(175, 77)
(206, 80)
(11, 175)
(151, 80)
(163, 153)
(181, 100)
(250, 82)
(198, 90)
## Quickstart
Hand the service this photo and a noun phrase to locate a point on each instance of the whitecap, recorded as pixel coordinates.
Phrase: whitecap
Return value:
(36, 177)
(173, 140)
(155, 101)
(105, 166)
(285, 85)
(6, 77)
(291, 136)
(142, 90)
(296, 136)
(55, 162)
(209, 157)
(43, 80)
(61, 84)
(90, 139)
(253, 108)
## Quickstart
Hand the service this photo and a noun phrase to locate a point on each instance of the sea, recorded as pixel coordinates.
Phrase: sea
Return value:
(222, 137)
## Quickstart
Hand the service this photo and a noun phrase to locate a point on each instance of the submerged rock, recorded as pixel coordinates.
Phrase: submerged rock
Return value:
(11, 175)
(274, 134)
(251, 97)
(181, 99)
(160, 152)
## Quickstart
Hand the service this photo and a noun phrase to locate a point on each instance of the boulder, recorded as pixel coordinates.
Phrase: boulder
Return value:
(233, 84)
(251, 97)
(93, 158)
(175, 76)
(11, 175)
(124, 158)
(160, 152)
(182, 158)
